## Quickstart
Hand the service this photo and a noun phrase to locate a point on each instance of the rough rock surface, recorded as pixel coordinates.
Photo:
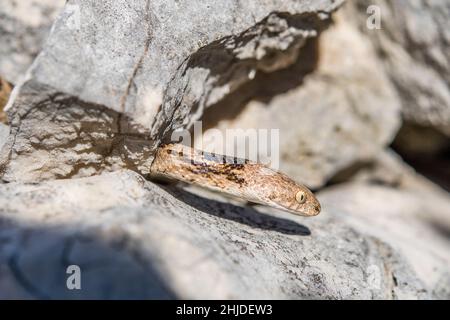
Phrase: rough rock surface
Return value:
(331, 131)
(410, 213)
(24, 26)
(4, 133)
(413, 43)
(104, 95)
(166, 243)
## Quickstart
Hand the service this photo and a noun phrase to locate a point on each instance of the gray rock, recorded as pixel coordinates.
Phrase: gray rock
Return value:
(24, 26)
(104, 95)
(4, 133)
(134, 239)
(330, 113)
(413, 44)
(390, 202)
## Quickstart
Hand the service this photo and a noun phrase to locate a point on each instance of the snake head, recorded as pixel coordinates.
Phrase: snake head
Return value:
(305, 204)
(298, 200)
(282, 192)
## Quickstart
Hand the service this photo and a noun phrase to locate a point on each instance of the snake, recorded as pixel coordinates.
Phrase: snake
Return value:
(242, 178)
(5, 91)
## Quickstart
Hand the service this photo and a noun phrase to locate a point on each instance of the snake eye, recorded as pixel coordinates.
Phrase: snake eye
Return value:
(300, 197)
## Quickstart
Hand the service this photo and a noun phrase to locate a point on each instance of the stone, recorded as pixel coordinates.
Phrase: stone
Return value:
(102, 96)
(326, 106)
(4, 133)
(389, 201)
(24, 26)
(167, 242)
(413, 44)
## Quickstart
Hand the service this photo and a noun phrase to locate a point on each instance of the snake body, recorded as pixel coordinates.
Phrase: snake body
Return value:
(238, 177)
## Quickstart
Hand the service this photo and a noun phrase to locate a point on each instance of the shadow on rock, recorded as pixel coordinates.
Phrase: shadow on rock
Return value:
(244, 215)
(36, 261)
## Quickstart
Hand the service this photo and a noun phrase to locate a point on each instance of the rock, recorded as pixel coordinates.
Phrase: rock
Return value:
(4, 133)
(169, 243)
(412, 215)
(413, 43)
(102, 96)
(387, 169)
(24, 26)
(327, 114)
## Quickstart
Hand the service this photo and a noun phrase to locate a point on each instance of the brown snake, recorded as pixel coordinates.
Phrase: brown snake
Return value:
(238, 177)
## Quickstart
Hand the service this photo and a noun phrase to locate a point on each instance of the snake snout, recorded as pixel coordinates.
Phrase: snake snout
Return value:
(317, 208)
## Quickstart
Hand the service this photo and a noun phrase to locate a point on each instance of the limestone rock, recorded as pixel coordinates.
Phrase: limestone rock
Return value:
(101, 96)
(391, 202)
(340, 111)
(134, 239)
(117, 78)
(24, 26)
(4, 133)
(413, 43)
